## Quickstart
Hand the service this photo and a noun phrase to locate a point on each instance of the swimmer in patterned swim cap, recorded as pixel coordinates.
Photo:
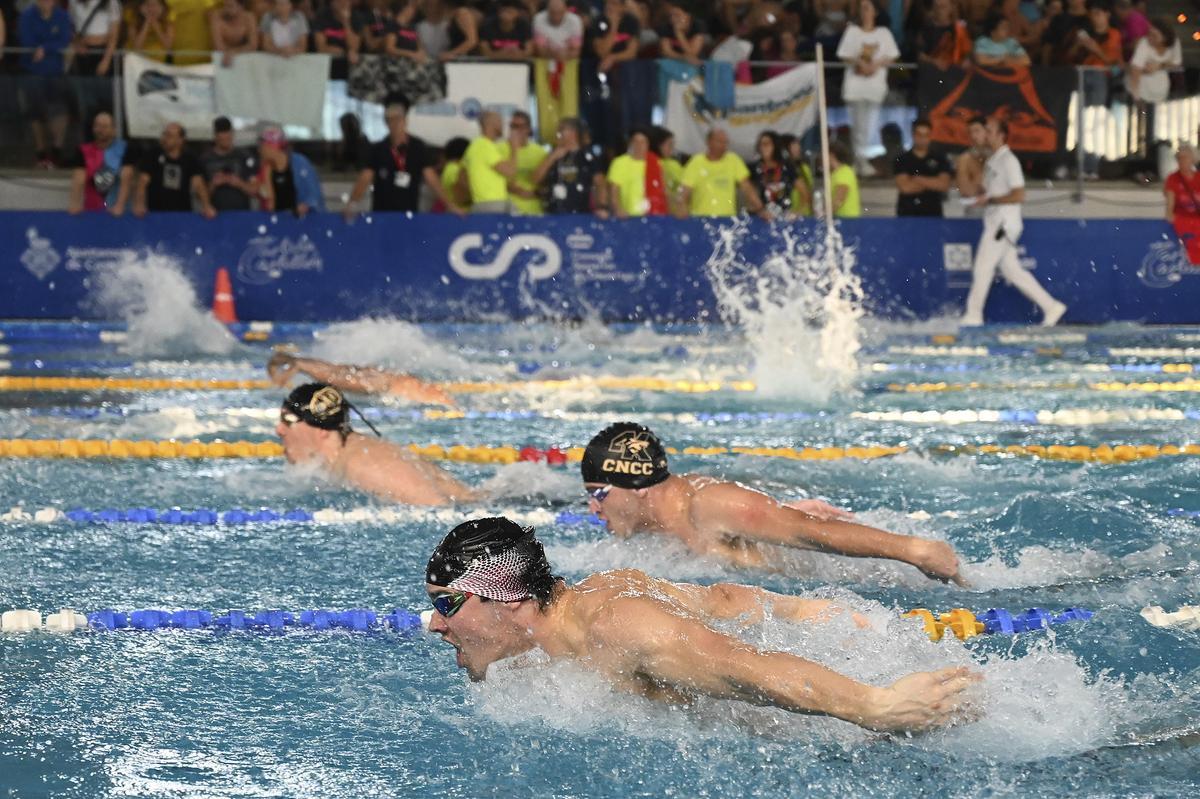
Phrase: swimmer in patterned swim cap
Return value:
(314, 425)
(496, 597)
(630, 487)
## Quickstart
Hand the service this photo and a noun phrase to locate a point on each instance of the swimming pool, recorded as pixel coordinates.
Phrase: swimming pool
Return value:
(1106, 708)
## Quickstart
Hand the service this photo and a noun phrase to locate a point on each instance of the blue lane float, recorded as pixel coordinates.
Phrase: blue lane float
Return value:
(354, 619)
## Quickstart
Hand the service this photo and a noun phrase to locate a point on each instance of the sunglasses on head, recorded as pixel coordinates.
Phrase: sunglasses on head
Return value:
(448, 603)
(599, 494)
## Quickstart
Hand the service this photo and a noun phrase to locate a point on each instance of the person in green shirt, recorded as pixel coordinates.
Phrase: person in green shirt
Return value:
(454, 173)
(627, 178)
(489, 169)
(843, 183)
(712, 179)
(529, 156)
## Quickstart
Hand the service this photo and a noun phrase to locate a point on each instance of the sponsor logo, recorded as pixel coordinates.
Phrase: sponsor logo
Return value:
(956, 257)
(91, 259)
(546, 262)
(1165, 265)
(40, 257)
(631, 445)
(266, 258)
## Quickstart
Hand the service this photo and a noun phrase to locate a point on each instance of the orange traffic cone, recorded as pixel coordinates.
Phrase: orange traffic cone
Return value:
(222, 307)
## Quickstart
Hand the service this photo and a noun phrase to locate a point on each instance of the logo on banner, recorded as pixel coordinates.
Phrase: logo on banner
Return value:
(1165, 265)
(91, 259)
(40, 257)
(956, 257)
(545, 265)
(266, 258)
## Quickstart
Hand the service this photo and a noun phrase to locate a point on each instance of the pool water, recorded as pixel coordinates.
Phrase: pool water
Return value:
(1106, 708)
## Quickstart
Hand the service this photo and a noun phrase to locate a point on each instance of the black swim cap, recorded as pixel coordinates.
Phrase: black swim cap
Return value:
(625, 455)
(319, 405)
(494, 558)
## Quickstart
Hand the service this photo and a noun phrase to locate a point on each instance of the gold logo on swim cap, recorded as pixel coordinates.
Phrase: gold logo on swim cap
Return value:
(326, 402)
(631, 445)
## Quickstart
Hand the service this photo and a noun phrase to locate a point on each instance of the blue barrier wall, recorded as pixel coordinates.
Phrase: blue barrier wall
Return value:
(436, 268)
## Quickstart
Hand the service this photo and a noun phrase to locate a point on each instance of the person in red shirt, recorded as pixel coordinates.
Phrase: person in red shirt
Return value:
(1182, 192)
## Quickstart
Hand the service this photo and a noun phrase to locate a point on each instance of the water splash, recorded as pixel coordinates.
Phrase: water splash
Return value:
(394, 344)
(799, 310)
(159, 305)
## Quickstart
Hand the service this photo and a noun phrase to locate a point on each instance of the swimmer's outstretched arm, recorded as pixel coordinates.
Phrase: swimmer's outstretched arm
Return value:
(363, 379)
(730, 509)
(678, 651)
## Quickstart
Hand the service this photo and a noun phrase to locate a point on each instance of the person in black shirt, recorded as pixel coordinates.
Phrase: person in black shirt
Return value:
(614, 36)
(168, 177)
(1062, 33)
(572, 176)
(922, 176)
(395, 168)
(334, 33)
(373, 23)
(228, 170)
(773, 175)
(506, 34)
(682, 37)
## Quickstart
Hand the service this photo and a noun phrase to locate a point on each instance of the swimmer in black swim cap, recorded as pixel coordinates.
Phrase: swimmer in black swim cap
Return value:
(362, 379)
(314, 425)
(495, 597)
(630, 487)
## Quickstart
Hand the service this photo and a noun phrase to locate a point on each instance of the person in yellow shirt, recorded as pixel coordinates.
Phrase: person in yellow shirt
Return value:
(712, 179)
(489, 169)
(627, 178)
(454, 173)
(529, 154)
(192, 33)
(843, 183)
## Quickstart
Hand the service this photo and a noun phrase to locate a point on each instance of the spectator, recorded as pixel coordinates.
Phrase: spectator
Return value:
(192, 39)
(1098, 47)
(396, 168)
(454, 174)
(528, 154)
(1062, 34)
(711, 181)
(1133, 23)
(286, 179)
(968, 169)
(635, 180)
(1182, 192)
(400, 39)
(284, 30)
(975, 13)
(45, 30)
(488, 169)
(229, 171)
(943, 40)
(572, 175)
(682, 37)
(97, 25)
(614, 36)
(787, 53)
(1027, 33)
(233, 30)
(376, 21)
(997, 48)
(832, 17)
(155, 33)
(773, 175)
(1155, 55)
(505, 35)
(334, 33)
(802, 189)
(922, 176)
(355, 145)
(168, 176)
(101, 174)
(662, 144)
(847, 203)
(462, 31)
(557, 33)
(867, 50)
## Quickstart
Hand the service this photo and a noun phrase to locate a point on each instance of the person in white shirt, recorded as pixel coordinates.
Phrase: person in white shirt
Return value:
(1001, 198)
(1148, 77)
(867, 52)
(97, 25)
(557, 32)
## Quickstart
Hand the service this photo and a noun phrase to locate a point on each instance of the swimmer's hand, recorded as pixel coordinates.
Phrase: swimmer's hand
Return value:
(922, 701)
(820, 509)
(937, 560)
(280, 368)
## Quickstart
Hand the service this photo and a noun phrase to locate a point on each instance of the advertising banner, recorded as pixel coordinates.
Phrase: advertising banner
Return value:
(470, 89)
(261, 87)
(158, 93)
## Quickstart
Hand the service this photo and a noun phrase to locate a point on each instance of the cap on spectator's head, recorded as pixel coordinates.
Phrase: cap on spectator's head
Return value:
(222, 125)
(273, 136)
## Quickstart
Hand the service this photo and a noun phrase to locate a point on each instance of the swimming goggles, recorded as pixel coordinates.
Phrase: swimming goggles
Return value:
(599, 494)
(448, 603)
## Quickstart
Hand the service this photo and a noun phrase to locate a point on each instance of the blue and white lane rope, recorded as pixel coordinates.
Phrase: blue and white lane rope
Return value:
(399, 620)
(240, 516)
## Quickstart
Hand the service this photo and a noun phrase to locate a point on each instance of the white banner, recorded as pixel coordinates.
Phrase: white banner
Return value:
(158, 93)
(261, 87)
(786, 103)
(471, 88)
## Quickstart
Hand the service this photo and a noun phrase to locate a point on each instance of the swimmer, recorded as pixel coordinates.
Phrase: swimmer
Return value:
(363, 379)
(629, 487)
(495, 597)
(314, 425)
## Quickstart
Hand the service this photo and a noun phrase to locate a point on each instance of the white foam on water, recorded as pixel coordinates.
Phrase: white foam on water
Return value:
(1038, 566)
(799, 310)
(531, 481)
(394, 344)
(159, 305)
